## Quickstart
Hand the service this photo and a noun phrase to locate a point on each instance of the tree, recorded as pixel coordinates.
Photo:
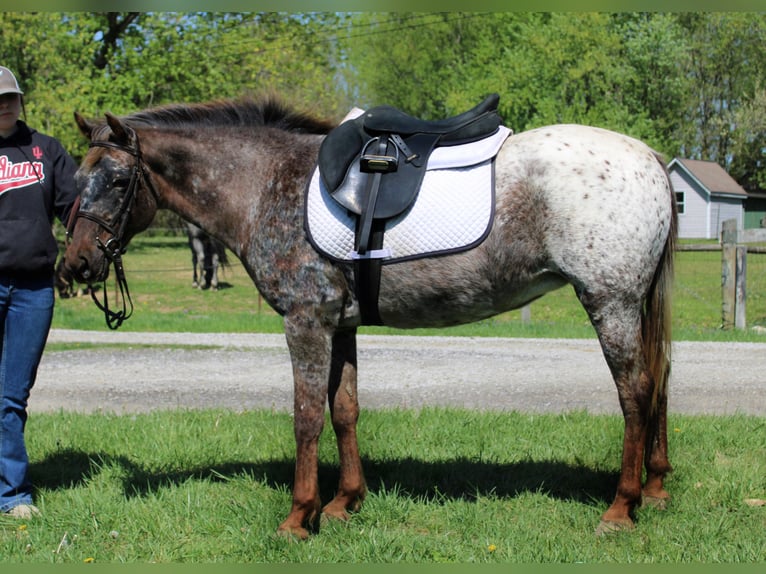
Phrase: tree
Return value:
(124, 61)
(49, 53)
(547, 67)
(188, 56)
(414, 61)
(690, 84)
(726, 63)
(655, 49)
(748, 164)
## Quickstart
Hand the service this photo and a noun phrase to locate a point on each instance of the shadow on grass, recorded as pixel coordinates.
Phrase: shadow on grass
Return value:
(461, 479)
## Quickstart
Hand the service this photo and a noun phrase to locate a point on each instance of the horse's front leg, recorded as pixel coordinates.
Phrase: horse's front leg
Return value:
(344, 408)
(310, 347)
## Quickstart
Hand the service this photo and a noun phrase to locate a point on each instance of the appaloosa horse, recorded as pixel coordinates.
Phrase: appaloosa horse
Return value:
(573, 204)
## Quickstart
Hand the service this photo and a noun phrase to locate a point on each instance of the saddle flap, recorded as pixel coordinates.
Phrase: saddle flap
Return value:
(395, 196)
(337, 152)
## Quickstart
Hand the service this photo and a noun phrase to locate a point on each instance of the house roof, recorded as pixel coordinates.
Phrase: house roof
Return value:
(710, 176)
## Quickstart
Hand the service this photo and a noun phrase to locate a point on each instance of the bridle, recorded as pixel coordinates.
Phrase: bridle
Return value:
(114, 248)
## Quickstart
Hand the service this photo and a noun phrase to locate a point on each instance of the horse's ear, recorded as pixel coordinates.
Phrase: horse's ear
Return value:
(121, 132)
(85, 126)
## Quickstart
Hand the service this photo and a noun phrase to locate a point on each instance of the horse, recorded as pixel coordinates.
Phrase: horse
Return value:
(207, 255)
(573, 205)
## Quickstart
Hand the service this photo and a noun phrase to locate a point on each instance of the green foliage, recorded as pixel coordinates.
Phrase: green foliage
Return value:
(690, 84)
(726, 64)
(50, 56)
(445, 485)
(412, 61)
(675, 80)
(748, 165)
(66, 64)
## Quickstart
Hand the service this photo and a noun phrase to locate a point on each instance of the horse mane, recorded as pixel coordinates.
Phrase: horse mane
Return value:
(267, 111)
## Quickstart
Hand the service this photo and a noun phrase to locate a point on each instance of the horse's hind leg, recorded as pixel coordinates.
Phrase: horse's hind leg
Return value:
(619, 329)
(656, 455)
(344, 409)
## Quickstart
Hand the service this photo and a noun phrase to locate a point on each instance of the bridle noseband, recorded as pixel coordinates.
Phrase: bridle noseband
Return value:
(114, 248)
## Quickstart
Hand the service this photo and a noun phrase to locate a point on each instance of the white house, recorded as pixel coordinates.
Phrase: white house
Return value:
(706, 196)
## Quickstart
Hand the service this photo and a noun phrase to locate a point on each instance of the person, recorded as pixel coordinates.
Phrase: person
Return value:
(36, 183)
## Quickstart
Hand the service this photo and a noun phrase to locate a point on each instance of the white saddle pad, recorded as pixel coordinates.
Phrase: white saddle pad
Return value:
(452, 212)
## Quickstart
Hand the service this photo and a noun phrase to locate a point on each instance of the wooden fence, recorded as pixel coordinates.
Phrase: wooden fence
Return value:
(734, 251)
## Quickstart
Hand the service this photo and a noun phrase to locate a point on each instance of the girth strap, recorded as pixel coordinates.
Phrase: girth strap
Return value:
(367, 278)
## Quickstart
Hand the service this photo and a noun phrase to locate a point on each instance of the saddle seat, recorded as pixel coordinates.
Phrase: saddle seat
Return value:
(385, 141)
(457, 129)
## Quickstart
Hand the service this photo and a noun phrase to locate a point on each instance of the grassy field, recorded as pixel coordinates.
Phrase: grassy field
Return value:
(159, 275)
(445, 486)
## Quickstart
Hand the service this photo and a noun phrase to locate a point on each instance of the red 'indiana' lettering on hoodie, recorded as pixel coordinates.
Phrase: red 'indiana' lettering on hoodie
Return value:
(16, 175)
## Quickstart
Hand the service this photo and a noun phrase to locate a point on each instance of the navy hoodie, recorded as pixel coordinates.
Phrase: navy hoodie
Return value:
(36, 184)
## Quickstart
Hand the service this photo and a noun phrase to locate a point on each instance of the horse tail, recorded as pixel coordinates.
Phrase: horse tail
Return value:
(656, 318)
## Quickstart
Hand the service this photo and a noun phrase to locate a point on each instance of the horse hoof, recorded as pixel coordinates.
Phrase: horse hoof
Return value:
(329, 515)
(656, 502)
(607, 527)
(292, 533)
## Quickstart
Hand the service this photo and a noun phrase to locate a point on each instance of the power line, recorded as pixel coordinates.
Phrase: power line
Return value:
(400, 25)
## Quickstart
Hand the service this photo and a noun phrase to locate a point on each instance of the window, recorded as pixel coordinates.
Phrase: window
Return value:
(680, 201)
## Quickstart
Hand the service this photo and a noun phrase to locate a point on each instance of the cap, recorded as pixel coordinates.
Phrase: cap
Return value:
(8, 83)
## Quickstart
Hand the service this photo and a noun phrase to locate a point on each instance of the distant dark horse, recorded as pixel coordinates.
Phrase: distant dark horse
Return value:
(207, 255)
(573, 204)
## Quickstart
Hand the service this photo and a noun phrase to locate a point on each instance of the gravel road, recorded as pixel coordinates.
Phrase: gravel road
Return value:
(235, 371)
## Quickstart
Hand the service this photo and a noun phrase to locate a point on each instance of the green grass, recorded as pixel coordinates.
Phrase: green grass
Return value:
(159, 275)
(445, 486)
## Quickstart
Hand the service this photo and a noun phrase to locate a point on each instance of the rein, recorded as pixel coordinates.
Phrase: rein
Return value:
(113, 248)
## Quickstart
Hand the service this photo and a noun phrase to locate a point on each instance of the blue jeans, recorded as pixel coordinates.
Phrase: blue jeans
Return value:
(26, 311)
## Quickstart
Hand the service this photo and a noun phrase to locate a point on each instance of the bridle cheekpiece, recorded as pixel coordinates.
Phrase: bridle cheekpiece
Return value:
(113, 249)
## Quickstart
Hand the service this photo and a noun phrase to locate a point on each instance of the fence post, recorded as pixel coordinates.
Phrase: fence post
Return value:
(728, 272)
(526, 314)
(740, 317)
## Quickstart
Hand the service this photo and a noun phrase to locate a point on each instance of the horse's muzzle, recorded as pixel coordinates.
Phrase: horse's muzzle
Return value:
(86, 270)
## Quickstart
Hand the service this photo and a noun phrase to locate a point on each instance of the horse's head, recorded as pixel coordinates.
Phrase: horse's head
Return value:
(117, 199)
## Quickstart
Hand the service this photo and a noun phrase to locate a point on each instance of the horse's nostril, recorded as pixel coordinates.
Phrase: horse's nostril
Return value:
(84, 270)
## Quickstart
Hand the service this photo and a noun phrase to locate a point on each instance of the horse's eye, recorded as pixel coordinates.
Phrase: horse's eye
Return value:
(120, 182)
